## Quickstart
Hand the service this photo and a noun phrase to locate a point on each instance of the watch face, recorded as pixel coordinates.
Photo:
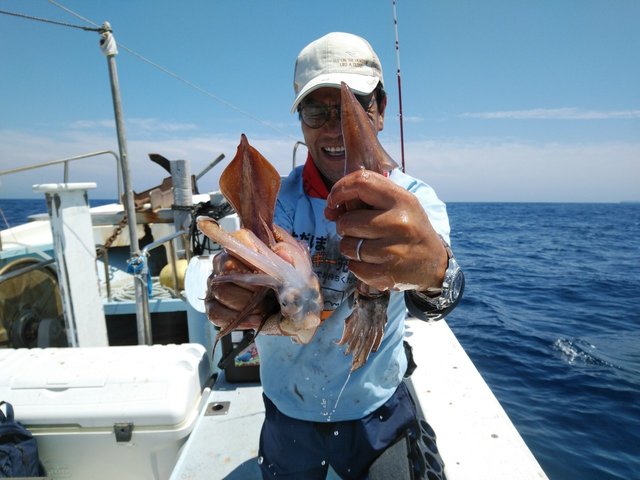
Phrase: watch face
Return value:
(456, 285)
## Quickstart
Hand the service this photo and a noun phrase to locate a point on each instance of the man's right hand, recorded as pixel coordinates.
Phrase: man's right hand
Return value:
(225, 301)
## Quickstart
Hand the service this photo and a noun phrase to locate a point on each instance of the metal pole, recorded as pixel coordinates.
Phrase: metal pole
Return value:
(182, 194)
(109, 48)
(210, 166)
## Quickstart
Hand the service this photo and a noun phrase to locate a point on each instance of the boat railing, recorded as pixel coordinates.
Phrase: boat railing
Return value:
(173, 252)
(143, 277)
(294, 162)
(139, 276)
(66, 161)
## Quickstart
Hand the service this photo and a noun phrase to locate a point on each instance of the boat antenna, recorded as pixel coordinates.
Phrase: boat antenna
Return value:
(395, 26)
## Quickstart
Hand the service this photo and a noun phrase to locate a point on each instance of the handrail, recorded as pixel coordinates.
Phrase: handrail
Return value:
(165, 239)
(66, 166)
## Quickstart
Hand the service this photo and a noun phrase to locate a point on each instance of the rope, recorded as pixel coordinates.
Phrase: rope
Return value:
(128, 292)
(54, 22)
(175, 75)
(182, 208)
(78, 16)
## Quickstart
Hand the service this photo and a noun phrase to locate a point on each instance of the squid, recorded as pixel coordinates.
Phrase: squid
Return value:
(278, 261)
(364, 328)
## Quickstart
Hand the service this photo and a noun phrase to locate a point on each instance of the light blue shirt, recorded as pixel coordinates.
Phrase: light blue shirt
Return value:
(312, 382)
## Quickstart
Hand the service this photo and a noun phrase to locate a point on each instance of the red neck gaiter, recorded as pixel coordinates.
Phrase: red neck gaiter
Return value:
(312, 181)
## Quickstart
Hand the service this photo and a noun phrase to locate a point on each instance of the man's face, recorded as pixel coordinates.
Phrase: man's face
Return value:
(325, 144)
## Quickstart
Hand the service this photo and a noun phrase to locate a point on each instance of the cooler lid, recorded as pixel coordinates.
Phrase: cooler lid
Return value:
(99, 386)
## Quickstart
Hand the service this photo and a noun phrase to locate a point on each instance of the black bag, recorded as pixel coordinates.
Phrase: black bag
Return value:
(18, 448)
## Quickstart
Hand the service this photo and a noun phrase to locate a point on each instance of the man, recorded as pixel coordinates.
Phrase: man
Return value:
(317, 412)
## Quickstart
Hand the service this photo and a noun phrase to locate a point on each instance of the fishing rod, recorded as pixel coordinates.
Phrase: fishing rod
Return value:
(395, 26)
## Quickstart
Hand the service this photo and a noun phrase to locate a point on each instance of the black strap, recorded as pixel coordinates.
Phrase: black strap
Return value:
(227, 359)
(9, 416)
(426, 311)
(411, 364)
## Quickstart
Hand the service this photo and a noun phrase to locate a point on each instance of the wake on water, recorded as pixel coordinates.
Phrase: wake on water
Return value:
(579, 351)
(619, 351)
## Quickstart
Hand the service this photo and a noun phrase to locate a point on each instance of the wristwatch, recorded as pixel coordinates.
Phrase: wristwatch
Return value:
(438, 300)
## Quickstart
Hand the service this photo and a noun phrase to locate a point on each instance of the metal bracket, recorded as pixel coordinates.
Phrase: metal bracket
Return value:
(123, 431)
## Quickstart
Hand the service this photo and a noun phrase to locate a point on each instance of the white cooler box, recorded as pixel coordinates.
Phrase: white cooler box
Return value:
(106, 412)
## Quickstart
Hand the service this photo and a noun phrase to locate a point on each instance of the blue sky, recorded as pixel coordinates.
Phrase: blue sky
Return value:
(504, 100)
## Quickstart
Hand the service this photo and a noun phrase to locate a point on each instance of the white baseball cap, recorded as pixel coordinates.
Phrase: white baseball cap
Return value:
(337, 57)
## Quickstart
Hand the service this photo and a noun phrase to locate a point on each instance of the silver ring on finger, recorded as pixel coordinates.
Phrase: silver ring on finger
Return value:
(358, 247)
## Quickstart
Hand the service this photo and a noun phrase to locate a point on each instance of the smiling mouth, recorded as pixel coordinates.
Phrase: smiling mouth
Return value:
(334, 151)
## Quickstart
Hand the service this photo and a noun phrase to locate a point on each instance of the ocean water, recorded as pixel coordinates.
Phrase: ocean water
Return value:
(14, 212)
(551, 318)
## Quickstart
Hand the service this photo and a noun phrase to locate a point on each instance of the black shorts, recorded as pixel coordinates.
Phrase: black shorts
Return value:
(298, 449)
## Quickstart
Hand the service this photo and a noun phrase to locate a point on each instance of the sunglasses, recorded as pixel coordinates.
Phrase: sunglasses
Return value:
(315, 115)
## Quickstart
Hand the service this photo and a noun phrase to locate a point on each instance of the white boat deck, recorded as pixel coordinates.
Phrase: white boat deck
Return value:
(224, 442)
(475, 437)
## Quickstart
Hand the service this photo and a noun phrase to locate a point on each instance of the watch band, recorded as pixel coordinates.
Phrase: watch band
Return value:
(436, 303)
